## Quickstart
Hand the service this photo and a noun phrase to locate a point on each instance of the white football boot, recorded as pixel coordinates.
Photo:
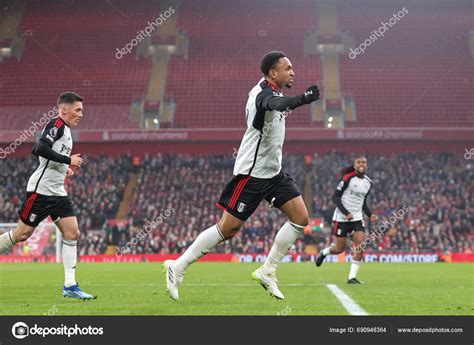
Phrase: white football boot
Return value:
(173, 279)
(268, 281)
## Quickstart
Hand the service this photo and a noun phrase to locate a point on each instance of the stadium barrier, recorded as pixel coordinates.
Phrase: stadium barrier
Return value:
(253, 257)
(458, 257)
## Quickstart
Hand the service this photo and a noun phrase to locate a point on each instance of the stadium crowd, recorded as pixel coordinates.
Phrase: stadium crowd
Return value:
(434, 192)
(95, 190)
(435, 189)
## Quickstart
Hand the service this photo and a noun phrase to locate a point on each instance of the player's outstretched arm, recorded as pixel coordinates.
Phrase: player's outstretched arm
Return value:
(282, 103)
(43, 149)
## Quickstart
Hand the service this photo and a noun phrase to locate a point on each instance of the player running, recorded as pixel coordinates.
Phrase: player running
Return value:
(46, 195)
(350, 198)
(257, 176)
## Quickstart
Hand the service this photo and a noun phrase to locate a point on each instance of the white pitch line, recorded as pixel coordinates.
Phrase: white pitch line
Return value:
(348, 303)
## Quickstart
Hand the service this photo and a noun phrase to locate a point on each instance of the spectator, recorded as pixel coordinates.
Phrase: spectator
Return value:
(436, 189)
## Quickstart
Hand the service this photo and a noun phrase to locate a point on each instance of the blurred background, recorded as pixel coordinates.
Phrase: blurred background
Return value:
(165, 86)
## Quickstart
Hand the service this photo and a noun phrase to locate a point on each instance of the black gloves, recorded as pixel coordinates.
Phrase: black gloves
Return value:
(311, 94)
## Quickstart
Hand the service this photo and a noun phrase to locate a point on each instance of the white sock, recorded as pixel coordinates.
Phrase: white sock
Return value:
(284, 239)
(6, 241)
(69, 253)
(206, 240)
(326, 251)
(354, 269)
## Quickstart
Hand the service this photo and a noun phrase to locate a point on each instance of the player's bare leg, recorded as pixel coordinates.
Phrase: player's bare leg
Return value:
(358, 237)
(298, 219)
(295, 210)
(70, 230)
(21, 233)
(335, 248)
(226, 228)
(229, 225)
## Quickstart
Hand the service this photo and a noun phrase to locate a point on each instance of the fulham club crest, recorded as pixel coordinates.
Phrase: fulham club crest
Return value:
(32, 217)
(241, 207)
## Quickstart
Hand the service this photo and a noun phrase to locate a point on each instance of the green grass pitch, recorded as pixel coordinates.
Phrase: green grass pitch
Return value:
(227, 289)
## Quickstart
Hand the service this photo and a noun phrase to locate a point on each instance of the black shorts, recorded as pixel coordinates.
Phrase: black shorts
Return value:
(342, 229)
(38, 207)
(242, 195)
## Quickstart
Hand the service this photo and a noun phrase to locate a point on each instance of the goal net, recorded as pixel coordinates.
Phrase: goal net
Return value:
(45, 241)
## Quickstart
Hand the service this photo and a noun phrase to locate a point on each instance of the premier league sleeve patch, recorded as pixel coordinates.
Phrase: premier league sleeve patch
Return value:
(340, 185)
(53, 132)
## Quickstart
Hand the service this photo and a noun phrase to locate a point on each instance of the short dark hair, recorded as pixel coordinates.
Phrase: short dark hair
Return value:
(350, 168)
(360, 155)
(347, 170)
(69, 98)
(270, 61)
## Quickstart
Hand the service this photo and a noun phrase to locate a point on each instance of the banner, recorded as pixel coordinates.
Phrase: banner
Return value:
(258, 258)
(457, 257)
(114, 258)
(341, 258)
(26, 259)
(150, 258)
(235, 134)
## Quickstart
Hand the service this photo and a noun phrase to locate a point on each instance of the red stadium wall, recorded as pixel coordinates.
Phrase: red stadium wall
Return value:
(227, 140)
(420, 74)
(304, 147)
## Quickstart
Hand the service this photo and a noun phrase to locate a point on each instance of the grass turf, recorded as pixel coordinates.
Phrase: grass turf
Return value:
(227, 289)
